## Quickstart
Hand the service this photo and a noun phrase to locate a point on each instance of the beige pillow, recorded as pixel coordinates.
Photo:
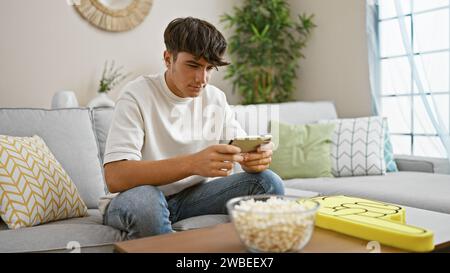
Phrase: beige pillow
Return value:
(34, 188)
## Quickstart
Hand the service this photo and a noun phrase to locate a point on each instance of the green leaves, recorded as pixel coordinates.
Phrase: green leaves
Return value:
(111, 77)
(265, 49)
(260, 35)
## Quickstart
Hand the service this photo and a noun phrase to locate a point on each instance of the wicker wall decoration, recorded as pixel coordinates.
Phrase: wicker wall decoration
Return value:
(114, 15)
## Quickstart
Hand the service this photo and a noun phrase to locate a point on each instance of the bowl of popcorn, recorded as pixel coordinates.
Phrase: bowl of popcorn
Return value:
(273, 223)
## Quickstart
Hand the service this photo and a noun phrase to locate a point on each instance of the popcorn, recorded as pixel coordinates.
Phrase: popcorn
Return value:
(273, 225)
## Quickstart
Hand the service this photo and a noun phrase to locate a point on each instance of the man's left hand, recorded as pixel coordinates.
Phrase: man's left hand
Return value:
(258, 161)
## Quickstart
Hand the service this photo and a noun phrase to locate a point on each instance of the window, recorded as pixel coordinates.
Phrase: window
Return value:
(427, 25)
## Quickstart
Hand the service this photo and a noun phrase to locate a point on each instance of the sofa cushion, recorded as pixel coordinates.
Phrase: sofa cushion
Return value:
(34, 188)
(420, 190)
(70, 136)
(87, 231)
(102, 117)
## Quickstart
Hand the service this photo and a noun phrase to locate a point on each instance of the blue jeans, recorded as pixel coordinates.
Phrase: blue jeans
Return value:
(144, 211)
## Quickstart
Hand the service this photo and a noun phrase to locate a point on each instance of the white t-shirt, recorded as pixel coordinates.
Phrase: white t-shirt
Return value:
(152, 123)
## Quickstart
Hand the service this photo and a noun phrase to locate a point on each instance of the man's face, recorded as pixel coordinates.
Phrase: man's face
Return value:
(186, 76)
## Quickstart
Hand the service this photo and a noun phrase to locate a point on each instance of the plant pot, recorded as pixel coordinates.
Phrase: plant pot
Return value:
(101, 100)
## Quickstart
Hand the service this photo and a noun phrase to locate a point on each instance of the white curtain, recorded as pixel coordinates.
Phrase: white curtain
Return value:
(374, 56)
(420, 80)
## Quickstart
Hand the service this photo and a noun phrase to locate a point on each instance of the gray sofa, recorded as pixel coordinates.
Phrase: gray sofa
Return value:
(77, 138)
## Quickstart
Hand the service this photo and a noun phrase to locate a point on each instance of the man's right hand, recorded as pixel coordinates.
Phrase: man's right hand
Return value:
(216, 160)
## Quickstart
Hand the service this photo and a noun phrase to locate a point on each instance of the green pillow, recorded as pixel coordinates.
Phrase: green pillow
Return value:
(303, 150)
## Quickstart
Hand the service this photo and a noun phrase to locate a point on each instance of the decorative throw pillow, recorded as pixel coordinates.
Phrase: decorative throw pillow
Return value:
(303, 150)
(34, 188)
(358, 147)
(391, 166)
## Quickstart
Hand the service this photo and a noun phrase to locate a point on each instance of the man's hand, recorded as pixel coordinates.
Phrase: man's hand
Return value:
(258, 161)
(216, 160)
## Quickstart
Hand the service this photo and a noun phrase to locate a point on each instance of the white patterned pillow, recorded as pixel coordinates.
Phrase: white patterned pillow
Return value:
(358, 147)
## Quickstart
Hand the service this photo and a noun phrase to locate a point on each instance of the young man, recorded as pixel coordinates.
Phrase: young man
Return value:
(161, 151)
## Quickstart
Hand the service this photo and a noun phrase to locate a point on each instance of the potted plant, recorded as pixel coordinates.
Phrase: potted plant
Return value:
(111, 77)
(265, 49)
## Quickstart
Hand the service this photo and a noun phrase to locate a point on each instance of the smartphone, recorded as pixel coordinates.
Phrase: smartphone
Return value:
(250, 143)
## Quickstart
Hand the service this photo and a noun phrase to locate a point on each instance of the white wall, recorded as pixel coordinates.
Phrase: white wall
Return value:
(45, 46)
(336, 64)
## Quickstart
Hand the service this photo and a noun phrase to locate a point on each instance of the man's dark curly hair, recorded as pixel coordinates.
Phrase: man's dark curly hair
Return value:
(197, 37)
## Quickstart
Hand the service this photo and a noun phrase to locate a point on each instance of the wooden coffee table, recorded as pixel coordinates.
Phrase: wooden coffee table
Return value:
(224, 239)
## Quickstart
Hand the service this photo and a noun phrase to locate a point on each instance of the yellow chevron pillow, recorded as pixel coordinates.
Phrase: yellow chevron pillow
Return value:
(34, 188)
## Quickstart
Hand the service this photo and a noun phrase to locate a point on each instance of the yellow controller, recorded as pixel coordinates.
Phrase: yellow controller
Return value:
(372, 220)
